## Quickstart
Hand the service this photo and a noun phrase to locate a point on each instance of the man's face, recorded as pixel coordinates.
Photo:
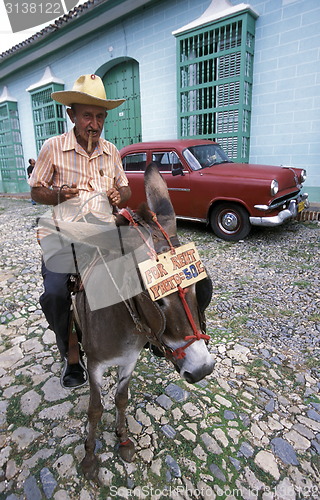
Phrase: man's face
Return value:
(87, 119)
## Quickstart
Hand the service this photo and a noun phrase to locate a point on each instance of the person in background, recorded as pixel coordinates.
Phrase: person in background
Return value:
(30, 168)
(31, 165)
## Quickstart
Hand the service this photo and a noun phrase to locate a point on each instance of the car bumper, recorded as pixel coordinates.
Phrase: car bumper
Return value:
(292, 210)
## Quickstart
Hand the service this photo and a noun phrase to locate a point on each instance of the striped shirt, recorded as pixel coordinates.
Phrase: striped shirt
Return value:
(63, 161)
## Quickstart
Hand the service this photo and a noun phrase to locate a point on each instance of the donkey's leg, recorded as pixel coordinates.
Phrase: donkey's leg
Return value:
(90, 462)
(126, 446)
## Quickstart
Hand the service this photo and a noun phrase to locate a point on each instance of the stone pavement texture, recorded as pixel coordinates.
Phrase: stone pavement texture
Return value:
(251, 430)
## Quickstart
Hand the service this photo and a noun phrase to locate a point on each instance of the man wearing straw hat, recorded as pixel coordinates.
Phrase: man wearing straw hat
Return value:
(71, 168)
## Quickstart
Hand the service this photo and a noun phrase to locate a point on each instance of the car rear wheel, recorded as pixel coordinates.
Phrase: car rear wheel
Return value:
(230, 221)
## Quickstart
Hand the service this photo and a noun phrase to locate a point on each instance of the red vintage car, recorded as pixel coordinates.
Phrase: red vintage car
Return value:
(205, 185)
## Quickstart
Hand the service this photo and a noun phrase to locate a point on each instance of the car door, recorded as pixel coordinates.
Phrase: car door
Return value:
(134, 165)
(178, 185)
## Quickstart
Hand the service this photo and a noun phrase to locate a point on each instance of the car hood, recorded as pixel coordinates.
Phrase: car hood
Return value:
(286, 176)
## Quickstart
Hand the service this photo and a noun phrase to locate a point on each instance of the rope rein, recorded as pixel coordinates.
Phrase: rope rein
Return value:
(178, 353)
(175, 354)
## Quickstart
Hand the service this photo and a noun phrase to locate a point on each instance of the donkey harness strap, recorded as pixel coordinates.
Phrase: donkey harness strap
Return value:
(127, 215)
(165, 234)
(178, 353)
(73, 351)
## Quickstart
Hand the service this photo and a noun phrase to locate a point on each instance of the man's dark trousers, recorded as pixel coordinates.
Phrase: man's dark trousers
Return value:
(55, 303)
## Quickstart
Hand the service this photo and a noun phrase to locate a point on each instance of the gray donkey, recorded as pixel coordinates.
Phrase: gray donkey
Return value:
(113, 335)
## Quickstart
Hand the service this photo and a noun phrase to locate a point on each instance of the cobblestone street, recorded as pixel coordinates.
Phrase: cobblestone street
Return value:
(249, 431)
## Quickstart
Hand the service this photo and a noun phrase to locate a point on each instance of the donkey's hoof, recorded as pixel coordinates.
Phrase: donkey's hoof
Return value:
(126, 450)
(90, 468)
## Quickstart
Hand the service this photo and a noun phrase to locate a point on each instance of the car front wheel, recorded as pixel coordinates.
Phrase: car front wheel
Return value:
(230, 221)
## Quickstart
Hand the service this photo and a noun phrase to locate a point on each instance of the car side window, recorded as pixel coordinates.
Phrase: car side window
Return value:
(166, 161)
(135, 162)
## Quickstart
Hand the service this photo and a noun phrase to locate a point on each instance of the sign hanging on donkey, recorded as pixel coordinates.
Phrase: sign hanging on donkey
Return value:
(182, 268)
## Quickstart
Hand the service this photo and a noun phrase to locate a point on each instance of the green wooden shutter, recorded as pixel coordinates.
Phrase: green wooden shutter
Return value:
(12, 168)
(48, 116)
(123, 124)
(215, 67)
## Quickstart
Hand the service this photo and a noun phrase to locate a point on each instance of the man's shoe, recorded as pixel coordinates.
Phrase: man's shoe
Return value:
(73, 375)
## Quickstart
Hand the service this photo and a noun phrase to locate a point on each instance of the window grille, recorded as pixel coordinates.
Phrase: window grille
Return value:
(215, 67)
(48, 116)
(12, 170)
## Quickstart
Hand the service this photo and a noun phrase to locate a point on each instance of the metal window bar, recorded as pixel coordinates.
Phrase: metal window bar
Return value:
(215, 82)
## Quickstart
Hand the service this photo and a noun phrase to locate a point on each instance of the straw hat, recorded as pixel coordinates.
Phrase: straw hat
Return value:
(87, 89)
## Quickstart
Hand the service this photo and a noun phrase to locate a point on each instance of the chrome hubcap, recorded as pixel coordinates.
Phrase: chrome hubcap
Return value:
(229, 221)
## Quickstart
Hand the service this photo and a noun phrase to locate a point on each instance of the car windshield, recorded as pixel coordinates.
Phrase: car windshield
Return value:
(205, 155)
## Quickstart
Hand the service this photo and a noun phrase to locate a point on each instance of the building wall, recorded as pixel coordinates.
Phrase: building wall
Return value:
(285, 109)
(147, 39)
(286, 92)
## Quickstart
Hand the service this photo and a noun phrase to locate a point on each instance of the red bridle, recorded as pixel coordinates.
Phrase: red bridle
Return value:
(178, 353)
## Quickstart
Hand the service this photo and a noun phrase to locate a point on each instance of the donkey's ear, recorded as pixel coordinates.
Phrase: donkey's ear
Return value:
(158, 198)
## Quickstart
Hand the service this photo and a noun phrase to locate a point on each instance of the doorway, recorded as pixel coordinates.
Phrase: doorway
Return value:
(123, 124)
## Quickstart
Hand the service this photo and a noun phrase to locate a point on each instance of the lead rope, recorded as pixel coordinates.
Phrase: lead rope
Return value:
(178, 353)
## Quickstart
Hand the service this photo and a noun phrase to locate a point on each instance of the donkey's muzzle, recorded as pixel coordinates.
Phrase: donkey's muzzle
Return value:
(198, 374)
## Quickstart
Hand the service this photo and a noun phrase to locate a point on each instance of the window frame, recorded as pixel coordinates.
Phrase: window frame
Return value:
(131, 155)
(49, 117)
(12, 167)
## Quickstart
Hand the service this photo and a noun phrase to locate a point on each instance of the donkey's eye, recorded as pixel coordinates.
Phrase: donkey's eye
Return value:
(160, 302)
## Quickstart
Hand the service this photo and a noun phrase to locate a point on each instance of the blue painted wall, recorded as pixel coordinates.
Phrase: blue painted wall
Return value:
(285, 125)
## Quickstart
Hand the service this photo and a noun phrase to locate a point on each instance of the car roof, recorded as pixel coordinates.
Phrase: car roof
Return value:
(168, 143)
